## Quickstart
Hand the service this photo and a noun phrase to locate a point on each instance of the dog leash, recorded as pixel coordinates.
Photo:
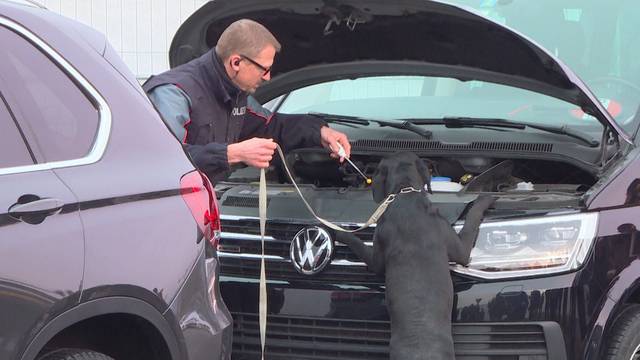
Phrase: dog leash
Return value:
(372, 220)
(262, 307)
(262, 210)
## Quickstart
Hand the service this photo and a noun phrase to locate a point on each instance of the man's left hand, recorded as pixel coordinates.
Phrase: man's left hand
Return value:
(331, 138)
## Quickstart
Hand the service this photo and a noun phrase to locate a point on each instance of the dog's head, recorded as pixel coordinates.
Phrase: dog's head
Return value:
(398, 171)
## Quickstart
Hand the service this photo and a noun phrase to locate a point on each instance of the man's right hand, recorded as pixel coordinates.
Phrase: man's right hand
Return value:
(255, 152)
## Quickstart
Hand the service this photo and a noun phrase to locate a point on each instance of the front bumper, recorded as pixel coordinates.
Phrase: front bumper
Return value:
(340, 313)
(314, 321)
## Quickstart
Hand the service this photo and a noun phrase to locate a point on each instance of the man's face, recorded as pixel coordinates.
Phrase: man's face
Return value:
(253, 71)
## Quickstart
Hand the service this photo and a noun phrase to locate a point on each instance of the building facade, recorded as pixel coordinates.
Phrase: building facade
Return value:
(139, 30)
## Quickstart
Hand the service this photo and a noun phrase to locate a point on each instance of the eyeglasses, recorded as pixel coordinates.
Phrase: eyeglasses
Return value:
(265, 70)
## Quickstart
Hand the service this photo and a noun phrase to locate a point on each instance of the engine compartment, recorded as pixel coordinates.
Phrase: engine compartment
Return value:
(473, 172)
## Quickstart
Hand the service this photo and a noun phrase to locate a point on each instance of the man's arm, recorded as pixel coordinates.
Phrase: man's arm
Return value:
(210, 158)
(174, 106)
(290, 131)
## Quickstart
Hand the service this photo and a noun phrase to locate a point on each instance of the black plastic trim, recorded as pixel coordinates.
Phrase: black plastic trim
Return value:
(290, 336)
(556, 348)
(500, 154)
(414, 145)
(104, 306)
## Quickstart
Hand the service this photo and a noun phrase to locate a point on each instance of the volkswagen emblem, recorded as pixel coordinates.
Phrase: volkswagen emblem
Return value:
(311, 250)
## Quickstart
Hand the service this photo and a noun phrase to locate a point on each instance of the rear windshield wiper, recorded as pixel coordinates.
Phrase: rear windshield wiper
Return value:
(404, 124)
(460, 122)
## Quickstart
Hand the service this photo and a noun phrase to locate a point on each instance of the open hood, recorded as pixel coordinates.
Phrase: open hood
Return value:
(325, 40)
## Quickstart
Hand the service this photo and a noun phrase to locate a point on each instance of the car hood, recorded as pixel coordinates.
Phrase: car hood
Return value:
(325, 40)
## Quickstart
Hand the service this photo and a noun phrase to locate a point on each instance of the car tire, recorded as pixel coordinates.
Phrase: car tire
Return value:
(624, 343)
(75, 354)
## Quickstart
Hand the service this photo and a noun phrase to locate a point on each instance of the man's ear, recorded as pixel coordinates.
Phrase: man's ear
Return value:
(424, 173)
(234, 62)
(379, 182)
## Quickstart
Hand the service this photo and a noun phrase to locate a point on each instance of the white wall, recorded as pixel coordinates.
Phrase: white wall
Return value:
(139, 30)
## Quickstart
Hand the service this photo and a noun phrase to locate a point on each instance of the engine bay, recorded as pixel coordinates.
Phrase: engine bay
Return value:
(470, 173)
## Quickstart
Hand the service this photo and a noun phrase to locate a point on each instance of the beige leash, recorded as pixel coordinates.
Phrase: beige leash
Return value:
(372, 220)
(262, 209)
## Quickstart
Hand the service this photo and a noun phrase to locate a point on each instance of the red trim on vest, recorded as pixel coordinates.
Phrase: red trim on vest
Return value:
(180, 87)
(186, 131)
(267, 120)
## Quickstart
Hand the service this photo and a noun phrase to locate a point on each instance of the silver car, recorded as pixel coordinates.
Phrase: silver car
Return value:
(107, 230)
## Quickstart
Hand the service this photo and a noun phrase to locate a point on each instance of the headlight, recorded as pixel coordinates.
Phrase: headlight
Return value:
(532, 246)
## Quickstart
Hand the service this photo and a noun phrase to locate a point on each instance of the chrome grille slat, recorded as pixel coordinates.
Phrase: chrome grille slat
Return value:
(242, 236)
(286, 271)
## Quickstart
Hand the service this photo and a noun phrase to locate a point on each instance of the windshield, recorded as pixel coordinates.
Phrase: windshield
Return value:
(402, 97)
(593, 37)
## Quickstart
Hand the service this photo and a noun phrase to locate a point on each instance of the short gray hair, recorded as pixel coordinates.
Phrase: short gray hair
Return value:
(245, 37)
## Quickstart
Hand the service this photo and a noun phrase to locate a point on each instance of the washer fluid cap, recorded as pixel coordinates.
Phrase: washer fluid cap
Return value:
(444, 186)
(440, 178)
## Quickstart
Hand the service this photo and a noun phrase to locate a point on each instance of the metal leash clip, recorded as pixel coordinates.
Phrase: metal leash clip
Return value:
(408, 190)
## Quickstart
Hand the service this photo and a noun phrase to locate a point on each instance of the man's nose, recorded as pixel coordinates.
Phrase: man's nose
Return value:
(267, 76)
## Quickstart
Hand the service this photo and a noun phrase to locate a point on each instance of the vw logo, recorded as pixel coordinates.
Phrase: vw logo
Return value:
(311, 250)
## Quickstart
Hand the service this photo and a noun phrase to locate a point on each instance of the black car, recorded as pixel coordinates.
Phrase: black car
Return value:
(555, 271)
(104, 221)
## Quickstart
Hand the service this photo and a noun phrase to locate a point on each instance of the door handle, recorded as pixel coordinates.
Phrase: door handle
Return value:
(33, 210)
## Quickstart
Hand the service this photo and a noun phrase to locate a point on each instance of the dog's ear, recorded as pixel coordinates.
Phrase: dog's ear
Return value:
(423, 170)
(379, 182)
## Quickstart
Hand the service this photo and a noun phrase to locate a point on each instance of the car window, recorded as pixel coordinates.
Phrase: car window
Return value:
(595, 38)
(402, 97)
(61, 119)
(13, 151)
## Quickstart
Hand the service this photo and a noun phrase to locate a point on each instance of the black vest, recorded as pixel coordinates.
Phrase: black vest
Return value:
(218, 107)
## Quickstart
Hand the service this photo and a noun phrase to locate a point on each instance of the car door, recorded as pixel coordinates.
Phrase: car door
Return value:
(41, 241)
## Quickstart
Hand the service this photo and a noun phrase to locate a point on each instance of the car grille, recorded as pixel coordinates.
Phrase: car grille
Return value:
(238, 254)
(242, 201)
(320, 338)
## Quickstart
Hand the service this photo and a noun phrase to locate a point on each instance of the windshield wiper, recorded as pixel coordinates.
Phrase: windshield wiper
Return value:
(460, 122)
(332, 118)
(413, 125)
(405, 124)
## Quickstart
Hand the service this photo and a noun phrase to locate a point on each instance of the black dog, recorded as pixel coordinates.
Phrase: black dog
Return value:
(412, 246)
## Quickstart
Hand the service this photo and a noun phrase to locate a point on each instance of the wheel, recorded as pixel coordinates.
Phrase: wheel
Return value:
(624, 342)
(74, 354)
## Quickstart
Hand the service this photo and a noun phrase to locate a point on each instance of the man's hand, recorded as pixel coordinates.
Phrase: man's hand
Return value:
(331, 138)
(255, 152)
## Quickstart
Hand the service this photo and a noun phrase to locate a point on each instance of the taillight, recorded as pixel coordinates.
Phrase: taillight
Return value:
(198, 193)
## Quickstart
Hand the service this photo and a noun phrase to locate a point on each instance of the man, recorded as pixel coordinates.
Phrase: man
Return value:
(207, 104)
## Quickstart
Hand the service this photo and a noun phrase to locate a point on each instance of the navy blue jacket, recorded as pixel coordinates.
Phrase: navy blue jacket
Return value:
(220, 114)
